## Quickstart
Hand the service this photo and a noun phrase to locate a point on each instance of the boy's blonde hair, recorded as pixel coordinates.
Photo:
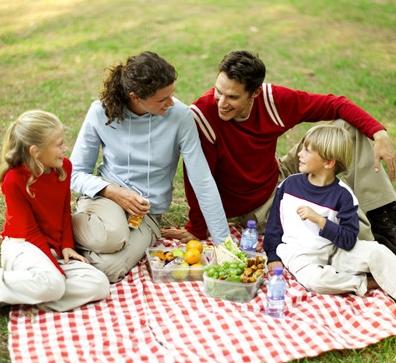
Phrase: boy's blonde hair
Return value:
(331, 142)
(33, 127)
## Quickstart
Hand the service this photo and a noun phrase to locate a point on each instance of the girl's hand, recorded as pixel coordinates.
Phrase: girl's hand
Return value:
(69, 253)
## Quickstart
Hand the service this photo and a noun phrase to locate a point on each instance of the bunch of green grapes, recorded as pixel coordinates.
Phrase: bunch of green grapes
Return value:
(228, 271)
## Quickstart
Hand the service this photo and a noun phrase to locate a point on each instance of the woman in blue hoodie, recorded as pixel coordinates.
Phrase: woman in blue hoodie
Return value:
(141, 131)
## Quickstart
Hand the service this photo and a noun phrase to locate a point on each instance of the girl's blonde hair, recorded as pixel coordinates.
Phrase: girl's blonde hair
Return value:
(331, 142)
(33, 127)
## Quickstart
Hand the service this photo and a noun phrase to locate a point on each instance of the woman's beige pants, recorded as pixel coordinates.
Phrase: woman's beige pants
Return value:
(101, 231)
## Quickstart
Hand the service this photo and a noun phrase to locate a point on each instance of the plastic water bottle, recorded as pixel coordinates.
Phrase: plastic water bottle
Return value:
(276, 294)
(249, 237)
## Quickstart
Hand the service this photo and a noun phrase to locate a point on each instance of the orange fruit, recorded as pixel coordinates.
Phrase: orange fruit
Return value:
(193, 243)
(192, 255)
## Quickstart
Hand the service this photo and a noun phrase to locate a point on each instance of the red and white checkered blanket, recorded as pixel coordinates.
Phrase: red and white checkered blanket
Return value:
(177, 322)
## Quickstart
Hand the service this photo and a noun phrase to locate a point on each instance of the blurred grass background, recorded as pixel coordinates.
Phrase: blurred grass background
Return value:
(53, 54)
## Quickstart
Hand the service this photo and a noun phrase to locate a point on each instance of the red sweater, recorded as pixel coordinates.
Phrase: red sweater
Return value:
(44, 220)
(241, 155)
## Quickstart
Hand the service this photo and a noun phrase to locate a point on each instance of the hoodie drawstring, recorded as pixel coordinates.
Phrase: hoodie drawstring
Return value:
(148, 159)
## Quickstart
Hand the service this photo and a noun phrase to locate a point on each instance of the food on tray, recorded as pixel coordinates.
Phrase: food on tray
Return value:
(178, 252)
(165, 256)
(232, 247)
(178, 264)
(254, 269)
(180, 272)
(193, 243)
(247, 272)
(192, 255)
(235, 281)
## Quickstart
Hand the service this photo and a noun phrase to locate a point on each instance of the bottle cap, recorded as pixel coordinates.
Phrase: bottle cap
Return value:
(278, 270)
(251, 223)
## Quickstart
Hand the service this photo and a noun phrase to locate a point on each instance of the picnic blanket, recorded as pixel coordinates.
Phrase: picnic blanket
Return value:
(176, 322)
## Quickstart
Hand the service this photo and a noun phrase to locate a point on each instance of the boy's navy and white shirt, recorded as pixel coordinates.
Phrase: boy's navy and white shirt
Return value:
(335, 202)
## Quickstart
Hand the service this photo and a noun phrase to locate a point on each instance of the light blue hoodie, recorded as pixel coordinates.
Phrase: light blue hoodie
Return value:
(143, 152)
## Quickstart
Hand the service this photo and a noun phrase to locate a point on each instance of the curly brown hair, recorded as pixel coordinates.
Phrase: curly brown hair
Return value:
(143, 75)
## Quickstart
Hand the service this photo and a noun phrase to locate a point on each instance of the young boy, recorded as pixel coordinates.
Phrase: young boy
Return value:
(313, 224)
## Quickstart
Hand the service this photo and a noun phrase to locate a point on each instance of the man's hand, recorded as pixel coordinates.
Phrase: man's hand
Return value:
(130, 201)
(69, 253)
(306, 212)
(272, 265)
(181, 234)
(384, 150)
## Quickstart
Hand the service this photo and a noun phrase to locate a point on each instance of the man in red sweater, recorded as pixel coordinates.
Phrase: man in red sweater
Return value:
(240, 120)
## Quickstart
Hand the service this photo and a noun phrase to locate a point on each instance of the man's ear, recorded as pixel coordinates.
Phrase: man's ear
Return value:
(330, 164)
(34, 151)
(256, 92)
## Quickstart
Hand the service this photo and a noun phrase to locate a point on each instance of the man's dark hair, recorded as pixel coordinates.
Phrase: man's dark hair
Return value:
(143, 75)
(244, 67)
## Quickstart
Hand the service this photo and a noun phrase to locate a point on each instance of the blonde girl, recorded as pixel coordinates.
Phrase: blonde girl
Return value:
(38, 262)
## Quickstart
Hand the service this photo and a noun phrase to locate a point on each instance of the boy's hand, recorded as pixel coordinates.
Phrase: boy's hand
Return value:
(260, 246)
(272, 265)
(69, 253)
(306, 212)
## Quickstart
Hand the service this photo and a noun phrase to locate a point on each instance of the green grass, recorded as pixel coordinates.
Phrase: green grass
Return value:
(53, 55)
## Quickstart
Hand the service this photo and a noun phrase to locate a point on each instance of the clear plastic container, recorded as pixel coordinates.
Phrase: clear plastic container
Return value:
(233, 291)
(177, 273)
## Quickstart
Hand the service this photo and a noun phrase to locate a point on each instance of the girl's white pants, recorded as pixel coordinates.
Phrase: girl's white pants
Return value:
(28, 276)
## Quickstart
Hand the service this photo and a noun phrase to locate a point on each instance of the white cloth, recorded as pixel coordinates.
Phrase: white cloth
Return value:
(332, 270)
(27, 276)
